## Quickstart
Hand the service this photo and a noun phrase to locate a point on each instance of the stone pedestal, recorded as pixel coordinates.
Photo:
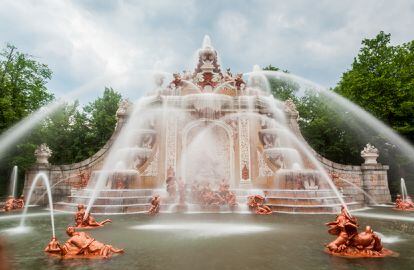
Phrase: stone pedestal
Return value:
(375, 182)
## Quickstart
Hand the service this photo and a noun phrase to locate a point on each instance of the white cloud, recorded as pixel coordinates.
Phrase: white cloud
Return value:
(82, 40)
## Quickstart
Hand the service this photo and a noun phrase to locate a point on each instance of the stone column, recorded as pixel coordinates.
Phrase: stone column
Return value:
(42, 154)
(374, 176)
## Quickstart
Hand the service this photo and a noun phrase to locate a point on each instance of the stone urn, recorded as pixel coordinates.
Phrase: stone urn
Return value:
(42, 154)
(370, 154)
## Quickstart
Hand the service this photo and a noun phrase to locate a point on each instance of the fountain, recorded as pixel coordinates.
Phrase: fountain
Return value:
(39, 176)
(404, 202)
(204, 127)
(12, 202)
(212, 142)
(13, 182)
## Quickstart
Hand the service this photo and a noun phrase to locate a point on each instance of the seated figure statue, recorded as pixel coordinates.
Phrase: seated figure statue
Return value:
(350, 243)
(403, 205)
(155, 205)
(82, 221)
(80, 245)
(256, 204)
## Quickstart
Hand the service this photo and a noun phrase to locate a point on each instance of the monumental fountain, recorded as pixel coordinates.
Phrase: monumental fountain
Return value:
(208, 141)
(203, 128)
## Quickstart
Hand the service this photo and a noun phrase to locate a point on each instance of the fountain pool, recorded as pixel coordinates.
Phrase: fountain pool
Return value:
(213, 241)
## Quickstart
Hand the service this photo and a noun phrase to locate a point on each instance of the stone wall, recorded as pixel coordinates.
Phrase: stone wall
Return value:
(371, 177)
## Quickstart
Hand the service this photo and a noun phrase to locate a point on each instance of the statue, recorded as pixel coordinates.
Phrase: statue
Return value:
(81, 245)
(42, 154)
(13, 203)
(19, 203)
(82, 221)
(245, 173)
(53, 247)
(350, 243)
(239, 82)
(403, 205)
(177, 82)
(256, 204)
(155, 205)
(9, 204)
(84, 179)
(370, 154)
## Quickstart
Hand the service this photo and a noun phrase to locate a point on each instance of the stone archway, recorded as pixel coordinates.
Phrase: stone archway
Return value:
(207, 152)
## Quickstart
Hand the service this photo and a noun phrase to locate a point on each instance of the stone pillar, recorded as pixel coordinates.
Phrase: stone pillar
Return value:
(42, 154)
(374, 176)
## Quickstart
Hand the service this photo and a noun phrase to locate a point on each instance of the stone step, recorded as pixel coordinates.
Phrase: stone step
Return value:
(109, 200)
(309, 209)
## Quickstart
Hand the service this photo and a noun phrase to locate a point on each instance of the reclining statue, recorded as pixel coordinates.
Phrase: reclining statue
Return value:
(80, 245)
(82, 221)
(350, 243)
(256, 204)
(403, 205)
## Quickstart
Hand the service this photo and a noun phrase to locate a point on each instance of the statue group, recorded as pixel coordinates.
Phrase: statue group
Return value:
(403, 204)
(81, 244)
(350, 243)
(13, 203)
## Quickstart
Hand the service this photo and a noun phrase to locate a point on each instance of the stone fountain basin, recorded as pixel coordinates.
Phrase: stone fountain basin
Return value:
(203, 241)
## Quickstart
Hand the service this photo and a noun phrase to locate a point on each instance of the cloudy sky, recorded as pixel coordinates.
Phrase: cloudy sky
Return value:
(93, 44)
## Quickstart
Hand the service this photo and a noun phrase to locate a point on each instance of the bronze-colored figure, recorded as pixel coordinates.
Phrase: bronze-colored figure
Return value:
(403, 205)
(82, 221)
(155, 205)
(81, 245)
(256, 204)
(350, 243)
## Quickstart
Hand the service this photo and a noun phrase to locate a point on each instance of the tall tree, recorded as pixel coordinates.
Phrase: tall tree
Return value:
(381, 80)
(22, 86)
(22, 90)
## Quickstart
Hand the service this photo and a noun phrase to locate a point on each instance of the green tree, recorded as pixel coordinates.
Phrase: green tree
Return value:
(381, 80)
(102, 118)
(22, 91)
(22, 86)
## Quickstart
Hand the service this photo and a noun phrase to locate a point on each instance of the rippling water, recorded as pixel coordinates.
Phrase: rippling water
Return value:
(213, 241)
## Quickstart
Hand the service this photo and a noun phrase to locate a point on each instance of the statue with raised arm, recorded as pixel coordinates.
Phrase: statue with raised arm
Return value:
(83, 220)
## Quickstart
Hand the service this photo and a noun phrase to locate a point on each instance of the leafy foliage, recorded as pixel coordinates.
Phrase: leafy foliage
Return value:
(72, 133)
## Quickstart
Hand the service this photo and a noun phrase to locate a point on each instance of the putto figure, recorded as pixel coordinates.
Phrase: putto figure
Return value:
(350, 243)
(403, 204)
(82, 221)
(81, 245)
(155, 205)
(256, 204)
